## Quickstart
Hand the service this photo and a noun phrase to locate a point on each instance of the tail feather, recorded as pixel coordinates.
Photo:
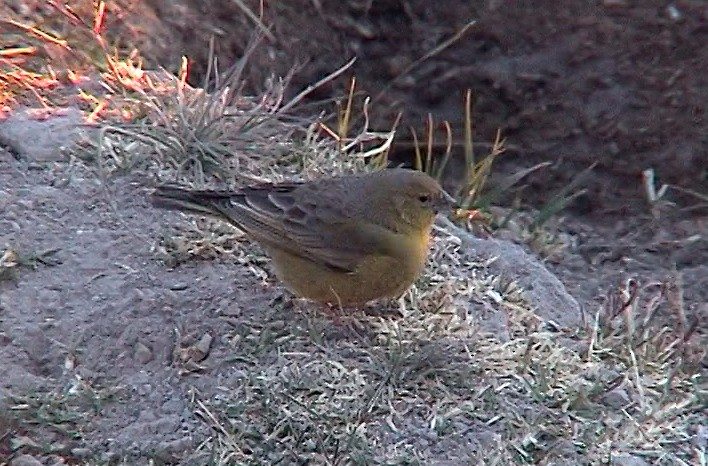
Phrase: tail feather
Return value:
(197, 202)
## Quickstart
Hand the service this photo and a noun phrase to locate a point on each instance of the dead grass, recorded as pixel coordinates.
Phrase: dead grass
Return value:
(60, 416)
(382, 390)
(59, 55)
(11, 261)
(626, 384)
(537, 228)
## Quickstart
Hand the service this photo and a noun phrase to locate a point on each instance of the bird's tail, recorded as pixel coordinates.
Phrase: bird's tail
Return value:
(197, 202)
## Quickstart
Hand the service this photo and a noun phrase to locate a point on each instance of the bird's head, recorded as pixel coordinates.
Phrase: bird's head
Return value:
(412, 198)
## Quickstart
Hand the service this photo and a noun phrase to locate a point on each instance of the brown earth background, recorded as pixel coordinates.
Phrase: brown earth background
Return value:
(620, 84)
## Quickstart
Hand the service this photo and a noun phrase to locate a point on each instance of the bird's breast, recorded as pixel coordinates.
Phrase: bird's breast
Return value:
(376, 276)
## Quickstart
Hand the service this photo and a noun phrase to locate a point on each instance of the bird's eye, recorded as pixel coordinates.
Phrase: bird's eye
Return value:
(424, 198)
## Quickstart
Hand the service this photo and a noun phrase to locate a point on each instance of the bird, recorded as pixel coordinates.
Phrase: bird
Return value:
(344, 240)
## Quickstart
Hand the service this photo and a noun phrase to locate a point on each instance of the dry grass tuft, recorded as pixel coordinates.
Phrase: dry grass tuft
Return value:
(433, 382)
(11, 260)
(310, 394)
(62, 414)
(57, 55)
(534, 227)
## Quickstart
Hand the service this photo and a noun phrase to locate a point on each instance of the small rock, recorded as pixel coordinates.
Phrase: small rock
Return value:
(616, 399)
(674, 13)
(25, 460)
(201, 349)
(143, 354)
(543, 290)
(55, 460)
(5, 198)
(169, 450)
(193, 354)
(144, 390)
(701, 437)
(5, 339)
(28, 204)
(165, 425)
(624, 459)
(173, 405)
(81, 452)
(38, 136)
(109, 457)
(18, 442)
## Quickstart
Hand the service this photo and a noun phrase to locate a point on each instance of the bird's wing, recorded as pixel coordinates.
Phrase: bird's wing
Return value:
(248, 209)
(340, 242)
(309, 222)
(306, 220)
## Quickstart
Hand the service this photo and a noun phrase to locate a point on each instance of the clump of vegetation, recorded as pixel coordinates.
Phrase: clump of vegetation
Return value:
(381, 389)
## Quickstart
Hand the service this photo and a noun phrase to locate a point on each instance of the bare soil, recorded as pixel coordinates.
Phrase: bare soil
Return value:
(111, 354)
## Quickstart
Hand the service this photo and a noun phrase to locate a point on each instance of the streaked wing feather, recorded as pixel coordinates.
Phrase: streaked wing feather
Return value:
(343, 244)
(321, 232)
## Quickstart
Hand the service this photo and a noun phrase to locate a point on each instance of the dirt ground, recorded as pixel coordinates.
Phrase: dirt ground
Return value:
(112, 354)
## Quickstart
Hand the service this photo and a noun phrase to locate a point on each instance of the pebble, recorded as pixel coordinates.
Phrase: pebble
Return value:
(25, 460)
(81, 452)
(614, 3)
(174, 448)
(623, 459)
(5, 198)
(616, 399)
(56, 461)
(143, 354)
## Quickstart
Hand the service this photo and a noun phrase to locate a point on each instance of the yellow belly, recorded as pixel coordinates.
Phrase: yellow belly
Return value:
(375, 277)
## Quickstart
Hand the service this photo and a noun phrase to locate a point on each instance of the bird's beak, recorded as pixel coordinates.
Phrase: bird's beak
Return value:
(446, 202)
